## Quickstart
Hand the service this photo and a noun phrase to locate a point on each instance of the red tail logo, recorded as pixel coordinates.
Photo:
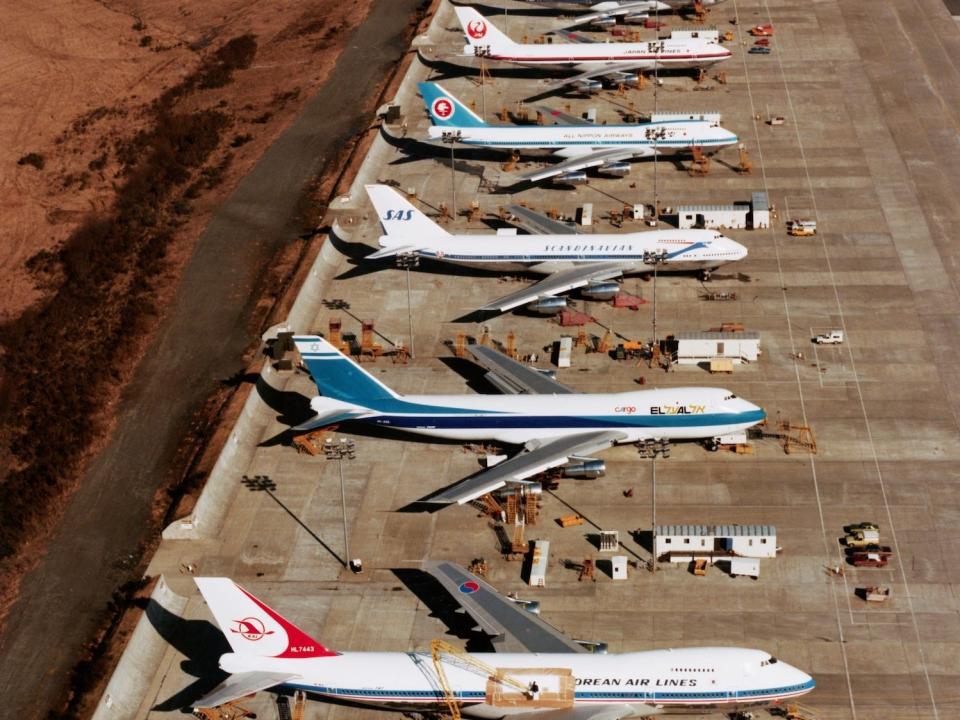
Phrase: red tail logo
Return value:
(250, 628)
(476, 29)
(442, 108)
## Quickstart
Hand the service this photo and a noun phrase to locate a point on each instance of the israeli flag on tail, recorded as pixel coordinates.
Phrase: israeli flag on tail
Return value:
(337, 377)
(445, 110)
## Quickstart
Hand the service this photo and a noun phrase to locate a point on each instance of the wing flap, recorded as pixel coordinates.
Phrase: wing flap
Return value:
(525, 379)
(513, 628)
(538, 224)
(581, 162)
(240, 685)
(592, 712)
(557, 283)
(535, 459)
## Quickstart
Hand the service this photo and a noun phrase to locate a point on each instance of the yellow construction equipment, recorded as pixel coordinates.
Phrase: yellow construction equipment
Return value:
(504, 114)
(401, 354)
(460, 348)
(227, 711)
(299, 705)
(478, 567)
(335, 337)
(488, 503)
(745, 166)
(700, 165)
(485, 337)
(798, 712)
(511, 349)
(311, 442)
(604, 345)
(797, 437)
(474, 215)
(368, 347)
(570, 521)
(699, 11)
(510, 164)
(587, 570)
(721, 77)
(439, 648)
(581, 340)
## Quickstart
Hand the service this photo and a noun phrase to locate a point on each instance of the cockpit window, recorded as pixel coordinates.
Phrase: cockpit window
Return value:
(769, 661)
(730, 397)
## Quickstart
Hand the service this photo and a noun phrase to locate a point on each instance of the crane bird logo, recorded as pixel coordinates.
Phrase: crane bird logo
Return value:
(250, 628)
(476, 29)
(442, 108)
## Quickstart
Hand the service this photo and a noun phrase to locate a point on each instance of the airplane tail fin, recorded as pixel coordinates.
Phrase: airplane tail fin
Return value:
(399, 217)
(252, 628)
(337, 376)
(480, 32)
(445, 110)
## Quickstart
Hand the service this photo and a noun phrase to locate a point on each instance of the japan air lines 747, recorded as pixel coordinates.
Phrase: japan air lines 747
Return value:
(536, 672)
(618, 61)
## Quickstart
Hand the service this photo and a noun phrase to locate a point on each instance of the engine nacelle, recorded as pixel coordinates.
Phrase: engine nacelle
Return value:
(616, 169)
(601, 290)
(603, 23)
(533, 488)
(636, 18)
(585, 469)
(593, 646)
(577, 177)
(548, 305)
(588, 86)
(626, 79)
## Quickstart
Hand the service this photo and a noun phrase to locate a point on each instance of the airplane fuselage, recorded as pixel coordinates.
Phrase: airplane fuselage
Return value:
(672, 414)
(584, 57)
(680, 680)
(685, 250)
(573, 140)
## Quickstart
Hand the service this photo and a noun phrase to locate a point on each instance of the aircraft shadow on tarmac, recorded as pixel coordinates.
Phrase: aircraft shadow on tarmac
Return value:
(443, 607)
(200, 642)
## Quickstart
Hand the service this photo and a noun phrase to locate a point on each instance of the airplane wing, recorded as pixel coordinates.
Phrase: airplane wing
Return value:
(240, 685)
(592, 712)
(535, 458)
(590, 158)
(329, 412)
(515, 377)
(391, 251)
(513, 629)
(595, 73)
(627, 8)
(557, 283)
(538, 224)
(558, 116)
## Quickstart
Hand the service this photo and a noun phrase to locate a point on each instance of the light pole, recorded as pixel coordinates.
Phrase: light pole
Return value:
(452, 138)
(407, 261)
(482, 52)
(338, 451)
(655, 258)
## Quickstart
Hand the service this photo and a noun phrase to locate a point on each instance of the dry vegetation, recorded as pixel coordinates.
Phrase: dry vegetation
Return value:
(116, 161)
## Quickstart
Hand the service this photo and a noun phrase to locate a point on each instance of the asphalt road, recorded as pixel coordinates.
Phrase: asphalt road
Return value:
(201, 342)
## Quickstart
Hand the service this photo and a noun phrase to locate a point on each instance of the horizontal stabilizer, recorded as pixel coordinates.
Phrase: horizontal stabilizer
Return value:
(241, 685)
(392, 251)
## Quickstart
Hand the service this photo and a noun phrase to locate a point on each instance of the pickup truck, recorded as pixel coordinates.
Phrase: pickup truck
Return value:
(861, 527)
(833, 337)
(877, 549)
(863, 559)
(862, 538)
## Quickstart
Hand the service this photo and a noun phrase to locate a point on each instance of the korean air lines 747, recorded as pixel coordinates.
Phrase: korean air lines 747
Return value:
(618, 61)
(583, 145)
(536, 671)
(553, 426)
(588, 262)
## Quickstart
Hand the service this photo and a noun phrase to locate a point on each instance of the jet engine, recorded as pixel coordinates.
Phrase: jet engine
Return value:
(575, 177)
(625, 78)
(603, 23)
(588, 86)
(636, 18)
(605, 290)
(616, 169)
(585, 469)
(548, 305)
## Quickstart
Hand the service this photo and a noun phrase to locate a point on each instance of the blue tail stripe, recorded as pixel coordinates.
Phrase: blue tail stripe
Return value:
(337, 377)
(445, 110)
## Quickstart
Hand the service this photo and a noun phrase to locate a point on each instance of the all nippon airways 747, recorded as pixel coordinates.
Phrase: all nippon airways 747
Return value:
(582, 145)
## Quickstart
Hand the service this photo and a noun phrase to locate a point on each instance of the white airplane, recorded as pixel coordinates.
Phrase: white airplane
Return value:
(540, 672)
(589, 262)
(556, 428)
(583, 146)
(605, 13)
(619, 61)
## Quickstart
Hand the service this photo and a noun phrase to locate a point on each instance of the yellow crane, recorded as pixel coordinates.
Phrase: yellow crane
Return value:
(439, 648)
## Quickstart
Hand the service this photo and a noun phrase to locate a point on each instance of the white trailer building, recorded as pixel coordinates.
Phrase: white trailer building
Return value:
(538, 564)
(754, 214)
(711, 34)
(685, 543)
(698, 347)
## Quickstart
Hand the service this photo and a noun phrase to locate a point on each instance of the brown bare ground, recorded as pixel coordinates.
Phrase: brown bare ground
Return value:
(78, 77)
